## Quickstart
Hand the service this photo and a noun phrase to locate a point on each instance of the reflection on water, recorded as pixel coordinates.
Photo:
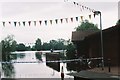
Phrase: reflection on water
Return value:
(32, 70)
(38, 55)
(8, 68)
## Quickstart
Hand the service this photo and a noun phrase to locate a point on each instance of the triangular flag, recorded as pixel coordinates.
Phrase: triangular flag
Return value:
(40, 22)
(56, 20)
(15, 23)
(74, 2)
(89, 16)
(45, 22)
(24, 23)
(76, 18)
(81, 18)
(19, 23)
(82, 7)
(77, 3)
(4, 24)
(66, 20)
(51, 22)
(9, 22)
(29, 22)
(71, 19)
(61, 20)
(35, 23)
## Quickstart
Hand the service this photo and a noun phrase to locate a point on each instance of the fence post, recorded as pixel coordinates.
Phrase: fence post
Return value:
(109, 65)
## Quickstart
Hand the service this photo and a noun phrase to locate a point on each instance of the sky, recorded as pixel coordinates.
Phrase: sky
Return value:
(26, 10)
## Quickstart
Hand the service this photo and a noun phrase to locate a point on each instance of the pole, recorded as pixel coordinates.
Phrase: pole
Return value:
(101, 42)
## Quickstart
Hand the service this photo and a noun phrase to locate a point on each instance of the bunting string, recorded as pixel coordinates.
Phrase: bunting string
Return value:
(45, 22)
(83, 7)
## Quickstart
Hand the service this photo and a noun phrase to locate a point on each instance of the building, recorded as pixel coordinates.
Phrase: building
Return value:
(88, 43)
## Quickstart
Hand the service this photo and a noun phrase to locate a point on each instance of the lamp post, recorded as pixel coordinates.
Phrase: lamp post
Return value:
(101, 35)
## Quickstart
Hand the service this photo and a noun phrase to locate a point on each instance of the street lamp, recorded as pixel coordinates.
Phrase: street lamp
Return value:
(97, 13)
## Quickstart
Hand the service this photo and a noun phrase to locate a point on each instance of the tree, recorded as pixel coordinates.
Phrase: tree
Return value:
(8, 45)
(21, 47)
(70, 51)
(38, 46)
(46, 46)
(86, 25)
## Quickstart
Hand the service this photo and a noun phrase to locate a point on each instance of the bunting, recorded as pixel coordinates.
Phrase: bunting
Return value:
(81, 18)
(66, 20)
(61, 20)
(56, 20)
(89, 16)
(40, 22)
(9, 22)
(34, 23)
(29, 22)
(45, 22)
(83, 7)
(3, 24)
(19, 23)
(15, 23)
(23, 23)
(76, 18)
(71, 19)
(51, 22)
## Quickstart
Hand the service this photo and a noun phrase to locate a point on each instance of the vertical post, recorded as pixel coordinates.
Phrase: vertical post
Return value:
(101, 42)
(109, 61)
(101, 36)
(62, 74)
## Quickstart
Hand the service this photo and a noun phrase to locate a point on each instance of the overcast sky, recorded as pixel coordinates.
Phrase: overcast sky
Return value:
(34, 10)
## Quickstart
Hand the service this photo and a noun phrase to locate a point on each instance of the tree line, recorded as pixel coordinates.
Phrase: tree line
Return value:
(10, 45)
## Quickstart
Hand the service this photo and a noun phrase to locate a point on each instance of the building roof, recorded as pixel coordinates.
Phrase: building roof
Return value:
(80, 35)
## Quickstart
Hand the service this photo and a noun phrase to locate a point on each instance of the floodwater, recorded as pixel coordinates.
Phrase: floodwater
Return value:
(32, 70)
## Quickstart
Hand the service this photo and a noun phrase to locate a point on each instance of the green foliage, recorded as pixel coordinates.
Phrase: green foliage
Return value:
(21, 47)
(86, 25)
(38, 56)
(45, 46)
(38, 44)
(54, 44)
(70, 53)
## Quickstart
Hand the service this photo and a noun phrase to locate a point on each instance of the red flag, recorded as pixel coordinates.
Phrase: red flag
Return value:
(15, 23)
(4, 24)
(71, 19)
(29, 22)
(40, 22)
